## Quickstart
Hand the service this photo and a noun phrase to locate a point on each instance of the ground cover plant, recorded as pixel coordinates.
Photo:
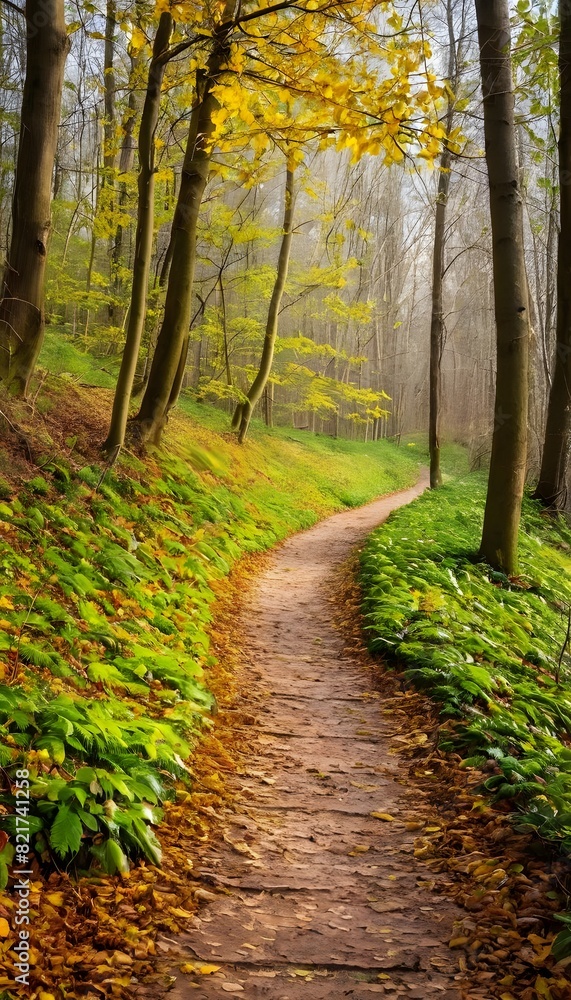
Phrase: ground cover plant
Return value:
(105, 600)
(491, 649)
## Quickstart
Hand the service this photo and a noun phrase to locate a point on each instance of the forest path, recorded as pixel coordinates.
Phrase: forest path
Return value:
(314, 884)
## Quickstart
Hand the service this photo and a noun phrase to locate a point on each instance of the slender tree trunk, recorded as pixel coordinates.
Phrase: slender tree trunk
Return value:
(437, 317)
(109, 140)
(172, 339)
(509, 443)
(143, 239)
(109, 136)
(552, 485)
(126, 160)
(226, 349)
(22, 303)
(437, 321)
(243, 412)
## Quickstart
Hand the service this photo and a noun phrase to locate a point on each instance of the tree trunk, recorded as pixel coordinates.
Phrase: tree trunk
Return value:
(126, 160)
(243, 412)
(22, 304)
(437, 321)
(149, 422)
(109, 136)
(437, 316)
(143, 239)
(109, 139)
(552, 485)
(509, 443)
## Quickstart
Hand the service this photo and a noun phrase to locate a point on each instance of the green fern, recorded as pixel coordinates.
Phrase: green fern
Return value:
(66, 832)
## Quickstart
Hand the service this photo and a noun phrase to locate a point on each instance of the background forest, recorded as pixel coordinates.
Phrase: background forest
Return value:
(352, 355)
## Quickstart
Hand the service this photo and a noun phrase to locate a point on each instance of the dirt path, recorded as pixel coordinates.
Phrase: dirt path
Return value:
(320, 898)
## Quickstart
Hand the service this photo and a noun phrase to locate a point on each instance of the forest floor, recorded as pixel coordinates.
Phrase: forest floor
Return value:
(318, 892)
(328, 845)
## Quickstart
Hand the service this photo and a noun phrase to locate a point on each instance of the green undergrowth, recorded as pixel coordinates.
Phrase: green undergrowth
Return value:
(491, 650)
(69, 359)
(454, 456)
(106, 597)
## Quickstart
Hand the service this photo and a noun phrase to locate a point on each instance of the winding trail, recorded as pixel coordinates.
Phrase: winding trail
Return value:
(311, 883)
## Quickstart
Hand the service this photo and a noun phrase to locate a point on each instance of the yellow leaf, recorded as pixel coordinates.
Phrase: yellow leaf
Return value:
(55, 898)
(207, 970)
(188, 968)
(386, 817)
(542, 988)
(458, 942)
(4, 927)
(120, 958)
(177, 911)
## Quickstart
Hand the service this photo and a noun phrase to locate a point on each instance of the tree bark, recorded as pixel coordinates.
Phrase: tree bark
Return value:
(172, 341)
(438, 267)
(552, 486)
(126, 160)
(499, 544)
(109, 136)
(143, 239)
(437, 321)
(22, 303)
(244, 410)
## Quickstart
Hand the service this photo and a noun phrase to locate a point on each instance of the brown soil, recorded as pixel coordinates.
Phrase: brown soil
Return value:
(320, 897)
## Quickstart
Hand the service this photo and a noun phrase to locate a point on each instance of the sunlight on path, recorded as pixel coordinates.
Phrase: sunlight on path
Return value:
(322, 899)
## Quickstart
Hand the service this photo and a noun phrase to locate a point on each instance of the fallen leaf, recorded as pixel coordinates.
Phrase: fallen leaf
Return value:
(205, 895)
(384, 816)
(55, 898)
(232, 987)
(387, 907)
(458, 942)
(4, 927)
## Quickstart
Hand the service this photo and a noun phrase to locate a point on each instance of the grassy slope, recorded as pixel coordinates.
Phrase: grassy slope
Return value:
(105, 602)
(485, 647)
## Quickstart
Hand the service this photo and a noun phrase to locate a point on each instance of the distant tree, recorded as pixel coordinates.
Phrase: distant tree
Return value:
(456, 42)
(552, 486)
(244, 410)
(499, 544)
(22, 296)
